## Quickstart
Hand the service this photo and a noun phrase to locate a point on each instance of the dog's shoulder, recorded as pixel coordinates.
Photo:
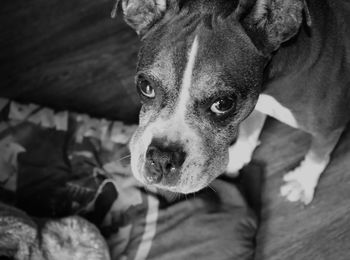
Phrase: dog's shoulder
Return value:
(310, 76)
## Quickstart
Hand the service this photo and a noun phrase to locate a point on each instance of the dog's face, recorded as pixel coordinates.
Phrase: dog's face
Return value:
(195, 90)
(198, 76)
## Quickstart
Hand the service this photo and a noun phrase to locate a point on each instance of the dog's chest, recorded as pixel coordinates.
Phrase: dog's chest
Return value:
(270, 106)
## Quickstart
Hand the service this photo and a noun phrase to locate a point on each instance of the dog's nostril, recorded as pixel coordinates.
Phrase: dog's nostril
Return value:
(169, 167)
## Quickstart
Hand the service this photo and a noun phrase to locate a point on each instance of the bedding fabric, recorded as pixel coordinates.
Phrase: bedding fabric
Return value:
(57, 164)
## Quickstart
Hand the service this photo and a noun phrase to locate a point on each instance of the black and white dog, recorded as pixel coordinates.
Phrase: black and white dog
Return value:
(209, 72)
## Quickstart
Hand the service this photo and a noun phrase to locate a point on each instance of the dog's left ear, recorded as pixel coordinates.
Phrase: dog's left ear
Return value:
(142, 14)
(269, 23)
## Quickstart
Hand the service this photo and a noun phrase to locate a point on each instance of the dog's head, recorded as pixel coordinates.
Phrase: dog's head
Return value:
(199, 74)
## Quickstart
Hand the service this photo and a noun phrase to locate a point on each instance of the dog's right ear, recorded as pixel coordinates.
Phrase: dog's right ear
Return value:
(269, 23)
(142, 14)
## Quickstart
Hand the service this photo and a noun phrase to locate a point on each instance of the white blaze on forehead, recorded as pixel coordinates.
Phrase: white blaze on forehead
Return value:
(184, 95)
(175, 129)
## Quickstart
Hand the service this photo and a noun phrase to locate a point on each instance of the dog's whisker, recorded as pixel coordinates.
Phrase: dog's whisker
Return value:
(124, 157)
(115, 9)
(212, 188)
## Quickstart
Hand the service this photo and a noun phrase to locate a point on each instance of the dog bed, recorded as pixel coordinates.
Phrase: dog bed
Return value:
(63, 174)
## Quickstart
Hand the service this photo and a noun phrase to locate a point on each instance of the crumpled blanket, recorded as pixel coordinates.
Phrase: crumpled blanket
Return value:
(25, 238)
(55, 164)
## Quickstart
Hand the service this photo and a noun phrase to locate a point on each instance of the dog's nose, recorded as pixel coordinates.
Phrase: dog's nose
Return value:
(163, 161)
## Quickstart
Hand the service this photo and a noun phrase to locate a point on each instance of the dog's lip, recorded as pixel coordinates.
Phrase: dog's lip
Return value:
(177, 188)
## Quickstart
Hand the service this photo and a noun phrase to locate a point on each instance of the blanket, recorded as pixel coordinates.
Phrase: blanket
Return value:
(66, 174)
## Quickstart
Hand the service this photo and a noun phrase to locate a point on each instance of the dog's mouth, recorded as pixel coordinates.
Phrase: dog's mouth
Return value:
(179, 181)
(183, 167)
(166, 175)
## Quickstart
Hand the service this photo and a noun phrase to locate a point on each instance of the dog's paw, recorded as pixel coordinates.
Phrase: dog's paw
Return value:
(299, 186)
(294, 191)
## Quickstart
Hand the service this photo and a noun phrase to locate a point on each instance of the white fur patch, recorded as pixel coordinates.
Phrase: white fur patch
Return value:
(248, 139)
(302, 181)
(175, 126)
(174, 129)
(270, 106)
(184, 95)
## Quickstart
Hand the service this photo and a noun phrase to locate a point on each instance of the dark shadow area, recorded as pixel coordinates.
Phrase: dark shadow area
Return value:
(251, 182)
(69, 56)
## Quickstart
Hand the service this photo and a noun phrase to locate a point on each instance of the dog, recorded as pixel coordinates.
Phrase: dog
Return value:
(210, 72)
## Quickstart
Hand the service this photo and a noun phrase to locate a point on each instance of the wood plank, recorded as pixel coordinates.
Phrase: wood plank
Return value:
(291, 230)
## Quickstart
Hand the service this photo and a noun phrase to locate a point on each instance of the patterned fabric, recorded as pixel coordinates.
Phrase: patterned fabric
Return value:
(57, 164)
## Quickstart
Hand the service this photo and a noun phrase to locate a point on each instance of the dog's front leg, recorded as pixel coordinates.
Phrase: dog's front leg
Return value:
(241, 152)
(302, 181)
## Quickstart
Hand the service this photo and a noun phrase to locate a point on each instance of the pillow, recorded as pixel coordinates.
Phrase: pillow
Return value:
(69, 56)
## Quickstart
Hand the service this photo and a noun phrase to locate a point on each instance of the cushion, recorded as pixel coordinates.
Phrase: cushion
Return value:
(69, 55)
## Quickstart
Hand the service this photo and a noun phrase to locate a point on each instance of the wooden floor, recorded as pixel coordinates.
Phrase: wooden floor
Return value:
(71, 54)
(290, 230)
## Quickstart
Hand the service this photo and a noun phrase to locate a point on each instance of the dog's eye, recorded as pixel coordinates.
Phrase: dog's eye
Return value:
(145, 88)
(222, 105)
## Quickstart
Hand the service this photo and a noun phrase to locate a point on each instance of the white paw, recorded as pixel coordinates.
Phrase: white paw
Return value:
(300, 185)
(294, 191)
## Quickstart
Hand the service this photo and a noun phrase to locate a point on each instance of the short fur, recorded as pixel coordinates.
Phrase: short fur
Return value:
(296, 52)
